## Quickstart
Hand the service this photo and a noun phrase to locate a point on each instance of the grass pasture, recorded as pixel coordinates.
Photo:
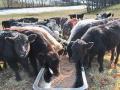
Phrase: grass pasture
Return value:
(97, 81)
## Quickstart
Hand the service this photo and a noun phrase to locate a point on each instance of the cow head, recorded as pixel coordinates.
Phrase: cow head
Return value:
(53, 62)
(21, 43)
(79, 50)
(104, 15)
(67, 29)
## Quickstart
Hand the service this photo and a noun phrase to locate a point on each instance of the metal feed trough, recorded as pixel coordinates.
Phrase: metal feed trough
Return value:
(37, 84)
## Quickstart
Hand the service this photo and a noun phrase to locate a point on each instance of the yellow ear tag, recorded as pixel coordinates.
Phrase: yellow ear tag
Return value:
(2, 65)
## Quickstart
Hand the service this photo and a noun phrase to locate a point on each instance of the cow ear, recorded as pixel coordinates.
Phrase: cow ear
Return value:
(89, 45)
(32, 38)
(109, 14)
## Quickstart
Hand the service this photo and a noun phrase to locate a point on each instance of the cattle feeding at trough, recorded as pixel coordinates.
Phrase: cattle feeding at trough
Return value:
(80, 28)
(45, 50)
(96, 41)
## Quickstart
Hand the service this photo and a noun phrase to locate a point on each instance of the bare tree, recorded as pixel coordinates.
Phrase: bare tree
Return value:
(26, 3)
(7, 3)
(42, 2)
(32, 3)
(22, 3)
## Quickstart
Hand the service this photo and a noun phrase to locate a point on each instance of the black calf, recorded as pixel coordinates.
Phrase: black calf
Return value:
(14, 48)
(40, 51)
(96, 41)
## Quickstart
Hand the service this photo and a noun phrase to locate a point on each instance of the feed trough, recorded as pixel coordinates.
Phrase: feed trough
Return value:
(39, 81)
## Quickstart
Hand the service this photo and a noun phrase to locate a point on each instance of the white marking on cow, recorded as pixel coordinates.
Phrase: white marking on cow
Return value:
(51, 71)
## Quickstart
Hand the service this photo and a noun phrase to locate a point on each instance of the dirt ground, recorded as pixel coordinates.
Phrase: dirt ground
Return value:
(96, 80)
(8, 82)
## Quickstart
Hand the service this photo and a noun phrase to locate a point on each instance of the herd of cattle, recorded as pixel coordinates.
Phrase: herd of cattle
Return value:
(28, 41)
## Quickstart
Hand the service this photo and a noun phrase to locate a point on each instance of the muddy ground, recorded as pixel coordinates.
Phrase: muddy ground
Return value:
(96, 80)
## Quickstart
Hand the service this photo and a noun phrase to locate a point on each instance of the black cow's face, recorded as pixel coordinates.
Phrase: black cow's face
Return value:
(22, 44)
(79, 50)
(53, 62)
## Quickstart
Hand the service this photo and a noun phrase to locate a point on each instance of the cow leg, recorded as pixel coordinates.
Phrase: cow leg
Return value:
(14, 67)
(24, 63)
(34, 64)
(100, 60)
(85, 62)
(69, 51)
(117, 57)
(79, 80)
(91, 56)
(112, 55)
(112, 58)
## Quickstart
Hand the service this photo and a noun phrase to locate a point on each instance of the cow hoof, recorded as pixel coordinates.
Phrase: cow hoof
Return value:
(101, 70)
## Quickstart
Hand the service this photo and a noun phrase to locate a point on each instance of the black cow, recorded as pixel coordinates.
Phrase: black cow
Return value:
(104, 15)
(8, 23)
(96, 41)
(28, 20)
(41, 51)
(14, 48)
(19, 22)
(80, 16)
(79, 30)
